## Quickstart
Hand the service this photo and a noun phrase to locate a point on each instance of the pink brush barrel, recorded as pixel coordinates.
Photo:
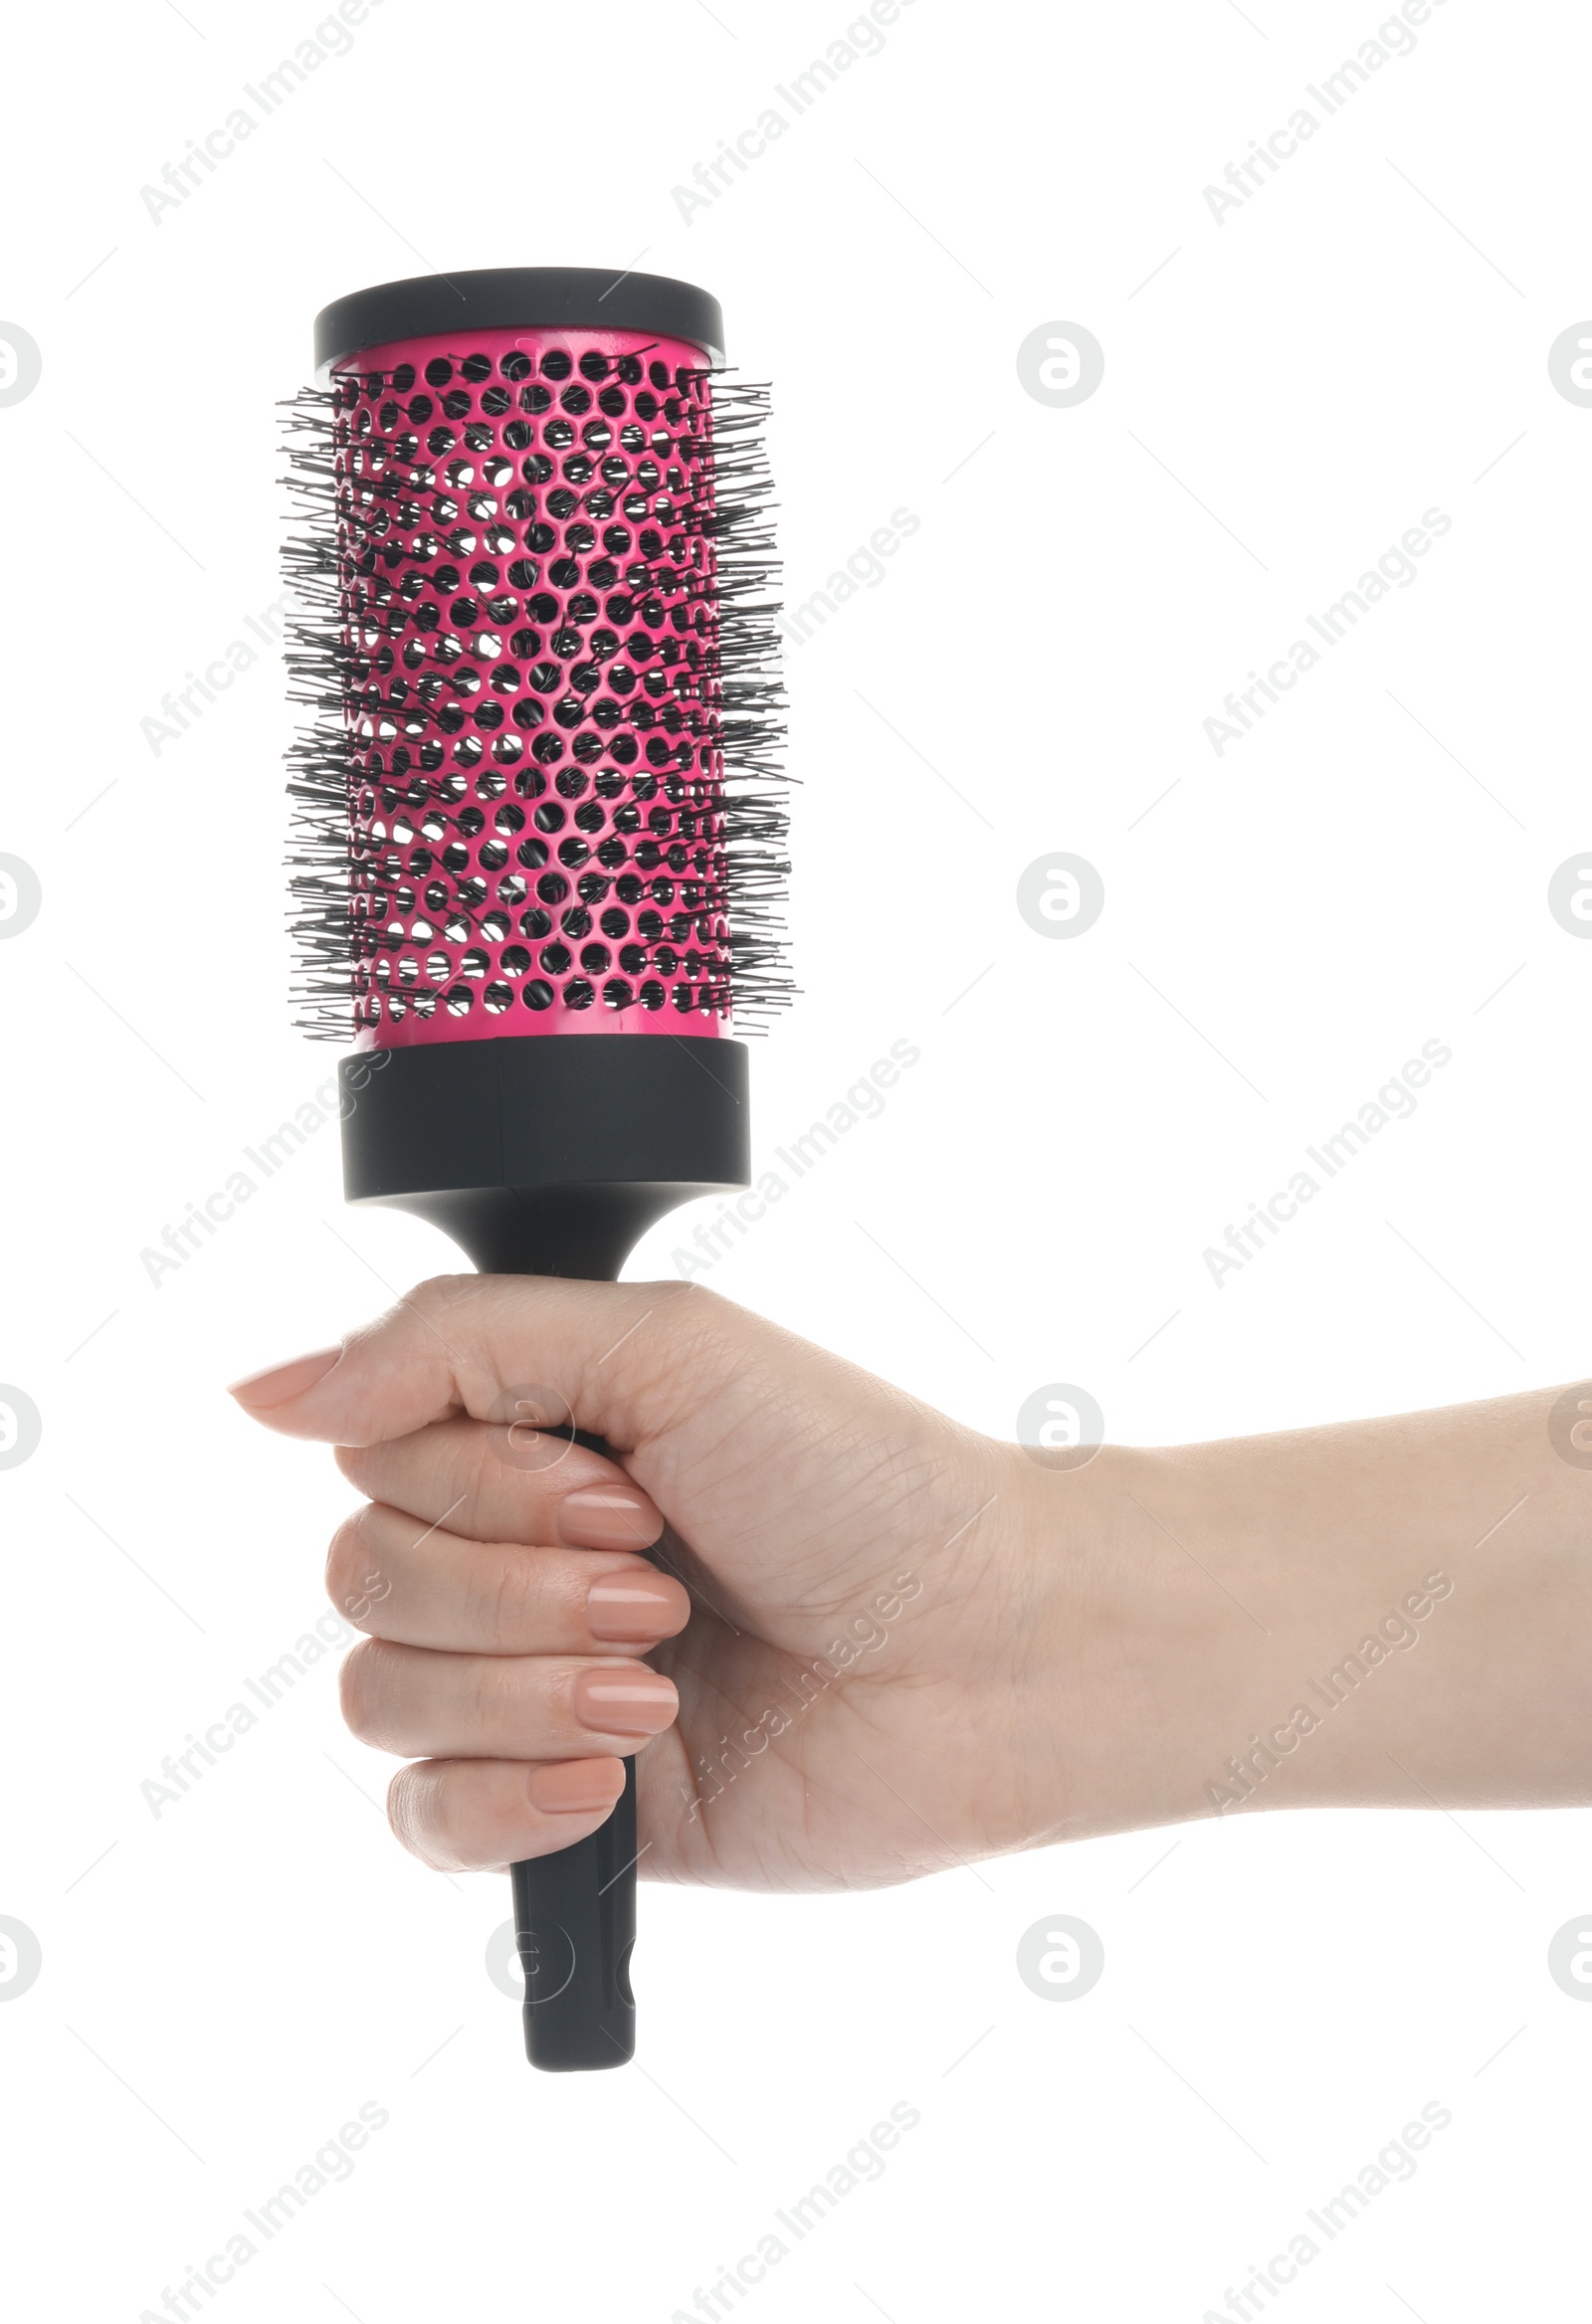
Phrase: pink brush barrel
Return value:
(527, 584)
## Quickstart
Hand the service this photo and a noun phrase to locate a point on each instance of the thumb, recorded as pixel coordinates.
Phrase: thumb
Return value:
(624, 1361)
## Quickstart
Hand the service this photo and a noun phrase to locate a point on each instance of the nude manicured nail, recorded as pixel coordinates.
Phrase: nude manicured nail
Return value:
(603, 1517)
(578, 1787)
(263, 1391)
(624, 1703)
(625, 1608)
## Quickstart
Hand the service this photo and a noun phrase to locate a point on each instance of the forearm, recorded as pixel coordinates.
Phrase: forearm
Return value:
(1393, 1613)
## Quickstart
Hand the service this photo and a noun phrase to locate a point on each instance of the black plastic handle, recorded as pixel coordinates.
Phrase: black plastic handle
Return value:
(575, 1925)
(574, 1930)
(551, 1157)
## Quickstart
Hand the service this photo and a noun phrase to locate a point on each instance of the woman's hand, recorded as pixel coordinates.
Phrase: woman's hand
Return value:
(872, 1643)
(839, 1671)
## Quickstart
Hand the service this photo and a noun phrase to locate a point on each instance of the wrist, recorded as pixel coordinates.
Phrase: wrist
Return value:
(1143, 1662)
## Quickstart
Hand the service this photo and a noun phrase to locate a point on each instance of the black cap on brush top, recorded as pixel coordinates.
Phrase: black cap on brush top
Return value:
(519, 298)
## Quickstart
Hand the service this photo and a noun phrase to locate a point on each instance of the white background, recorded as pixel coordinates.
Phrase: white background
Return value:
(1367, 338)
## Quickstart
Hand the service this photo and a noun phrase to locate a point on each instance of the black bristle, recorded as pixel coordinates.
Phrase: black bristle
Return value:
(346, 541)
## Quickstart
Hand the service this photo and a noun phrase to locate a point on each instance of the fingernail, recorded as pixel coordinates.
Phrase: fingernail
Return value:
(625, 1608)
(576, 1787)
(263, 1391)
(624, 1703)
(605, 1516)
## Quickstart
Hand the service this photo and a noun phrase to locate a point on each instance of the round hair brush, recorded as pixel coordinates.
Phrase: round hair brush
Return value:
(538, 828)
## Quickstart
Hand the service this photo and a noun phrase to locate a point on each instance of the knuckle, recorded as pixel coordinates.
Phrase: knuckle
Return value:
(699, 1299)
(409, 1804)
(437, 1294)
(710, 1326)
(348, 1583)
(447, 1817)
(361, 1689)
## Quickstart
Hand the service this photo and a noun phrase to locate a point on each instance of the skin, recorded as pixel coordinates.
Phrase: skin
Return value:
(1001, 1649)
